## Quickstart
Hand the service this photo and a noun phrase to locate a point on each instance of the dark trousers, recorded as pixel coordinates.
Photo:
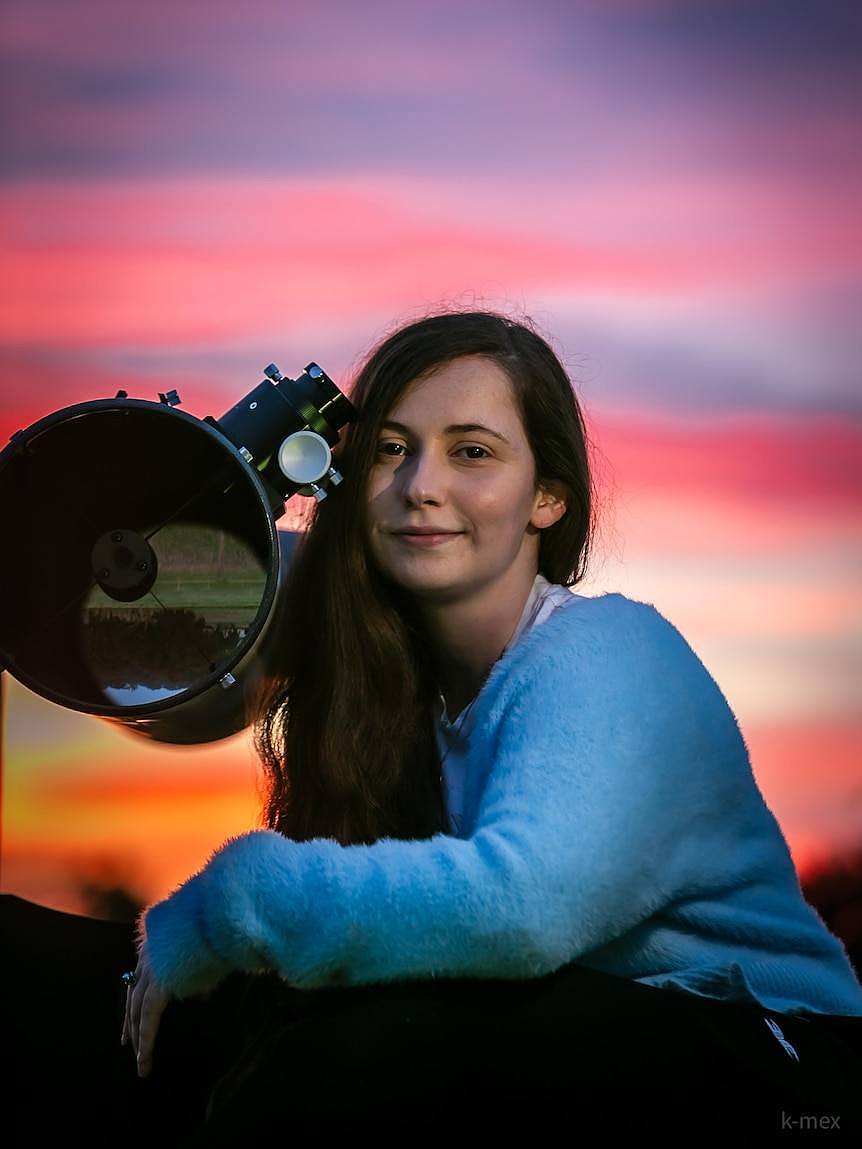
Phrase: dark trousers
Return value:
(549, 1061)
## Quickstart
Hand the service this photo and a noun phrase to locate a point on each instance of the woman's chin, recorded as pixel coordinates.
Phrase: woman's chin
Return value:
(425, 583)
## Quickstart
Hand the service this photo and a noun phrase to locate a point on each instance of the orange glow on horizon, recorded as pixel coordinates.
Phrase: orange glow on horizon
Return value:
(109, 820)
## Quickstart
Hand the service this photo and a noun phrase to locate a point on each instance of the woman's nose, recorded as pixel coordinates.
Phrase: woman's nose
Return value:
(422, 479)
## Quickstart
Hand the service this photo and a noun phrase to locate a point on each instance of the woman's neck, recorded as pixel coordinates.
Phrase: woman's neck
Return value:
(468, 636)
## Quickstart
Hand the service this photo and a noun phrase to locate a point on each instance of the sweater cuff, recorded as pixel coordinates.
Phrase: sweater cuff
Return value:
(183, 960)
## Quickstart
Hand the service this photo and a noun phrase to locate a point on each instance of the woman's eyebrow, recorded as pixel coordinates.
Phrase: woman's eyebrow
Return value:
(391, 425)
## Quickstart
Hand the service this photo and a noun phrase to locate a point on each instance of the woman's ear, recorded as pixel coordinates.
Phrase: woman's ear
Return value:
(551, 503)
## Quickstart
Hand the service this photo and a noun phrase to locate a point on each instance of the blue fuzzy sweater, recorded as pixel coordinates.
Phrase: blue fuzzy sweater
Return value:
(610, 817)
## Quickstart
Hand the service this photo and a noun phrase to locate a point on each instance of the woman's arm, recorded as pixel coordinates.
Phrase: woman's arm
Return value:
(594, 806)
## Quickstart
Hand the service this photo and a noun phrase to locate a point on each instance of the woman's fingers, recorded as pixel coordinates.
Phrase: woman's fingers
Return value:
(145, 1004)
(152, 1008)
(127, 1012)
(135, 1002)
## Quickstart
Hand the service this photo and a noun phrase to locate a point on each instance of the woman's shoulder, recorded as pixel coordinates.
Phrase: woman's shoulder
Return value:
(609, 637)
(587, 621)
(617, 663)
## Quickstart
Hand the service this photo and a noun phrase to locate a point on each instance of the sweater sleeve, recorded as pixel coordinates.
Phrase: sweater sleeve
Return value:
(583, 829)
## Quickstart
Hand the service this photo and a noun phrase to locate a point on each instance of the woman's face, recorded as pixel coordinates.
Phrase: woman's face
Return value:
(453, 457)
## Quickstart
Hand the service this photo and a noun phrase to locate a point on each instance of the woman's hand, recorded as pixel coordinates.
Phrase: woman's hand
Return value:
(145, 1004)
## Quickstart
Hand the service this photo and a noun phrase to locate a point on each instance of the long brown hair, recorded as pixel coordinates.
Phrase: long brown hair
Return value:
(346, 733)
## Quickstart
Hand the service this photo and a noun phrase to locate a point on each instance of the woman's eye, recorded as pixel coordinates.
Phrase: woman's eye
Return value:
(475, 447)
(382, 449)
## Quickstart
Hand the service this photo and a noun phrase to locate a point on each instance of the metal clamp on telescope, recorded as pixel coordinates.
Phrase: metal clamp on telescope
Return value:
(142, 563)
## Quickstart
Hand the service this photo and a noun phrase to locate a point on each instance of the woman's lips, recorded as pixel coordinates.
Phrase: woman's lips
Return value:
(427, 540)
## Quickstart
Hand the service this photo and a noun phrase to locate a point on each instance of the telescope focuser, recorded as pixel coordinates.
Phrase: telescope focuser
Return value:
(285, 428)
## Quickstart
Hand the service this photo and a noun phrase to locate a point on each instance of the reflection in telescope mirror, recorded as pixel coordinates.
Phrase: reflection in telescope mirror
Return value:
(206, 597)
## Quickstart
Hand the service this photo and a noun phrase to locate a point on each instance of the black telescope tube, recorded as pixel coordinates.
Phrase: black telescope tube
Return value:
(143, 569)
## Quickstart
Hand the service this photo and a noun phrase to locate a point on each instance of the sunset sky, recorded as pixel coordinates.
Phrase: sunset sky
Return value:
(669, 188)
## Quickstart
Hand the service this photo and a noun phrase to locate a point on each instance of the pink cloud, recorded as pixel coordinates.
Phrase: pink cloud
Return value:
(770, 459)
(72, 296)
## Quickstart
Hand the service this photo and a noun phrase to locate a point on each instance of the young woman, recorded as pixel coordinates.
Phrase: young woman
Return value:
(516, 867)
(479, 777)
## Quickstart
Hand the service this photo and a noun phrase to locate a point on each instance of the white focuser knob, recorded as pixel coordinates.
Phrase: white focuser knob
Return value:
(304, 457)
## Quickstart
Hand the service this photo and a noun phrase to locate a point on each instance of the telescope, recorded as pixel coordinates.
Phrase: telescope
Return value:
(142, 565)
